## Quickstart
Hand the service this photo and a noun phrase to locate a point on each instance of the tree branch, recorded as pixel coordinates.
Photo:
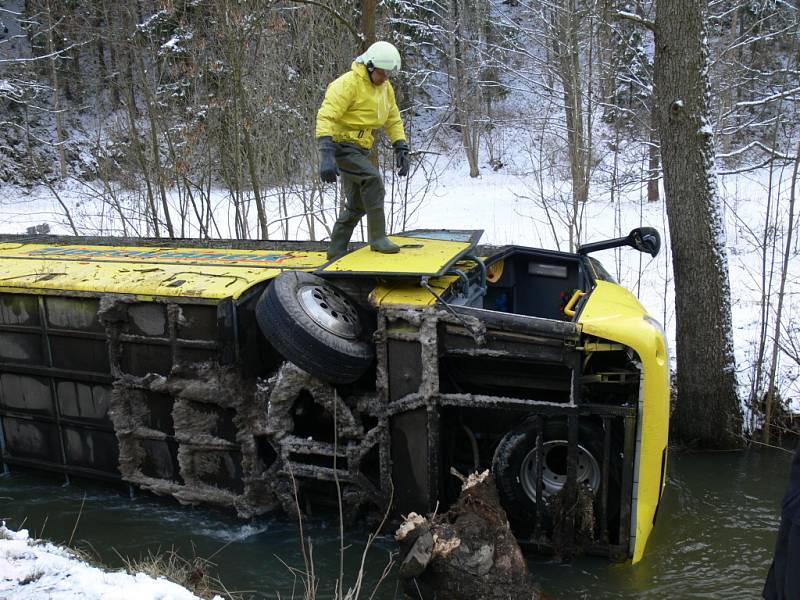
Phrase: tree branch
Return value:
(771, 98)
(756, 144)
(628, 16)
(333, 11)
(54, 54)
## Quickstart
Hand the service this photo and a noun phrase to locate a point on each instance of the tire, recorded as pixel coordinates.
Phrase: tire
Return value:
(316, 326)
(514, 468)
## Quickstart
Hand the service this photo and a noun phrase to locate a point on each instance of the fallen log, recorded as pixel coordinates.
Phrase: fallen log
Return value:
(466, 553)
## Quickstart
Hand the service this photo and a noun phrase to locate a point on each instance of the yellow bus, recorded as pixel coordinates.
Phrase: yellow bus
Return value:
(228, 373)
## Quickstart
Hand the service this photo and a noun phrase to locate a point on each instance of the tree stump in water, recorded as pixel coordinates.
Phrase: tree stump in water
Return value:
(469, 552)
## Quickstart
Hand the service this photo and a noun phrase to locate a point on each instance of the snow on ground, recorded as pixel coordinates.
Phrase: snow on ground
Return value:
(33, 569)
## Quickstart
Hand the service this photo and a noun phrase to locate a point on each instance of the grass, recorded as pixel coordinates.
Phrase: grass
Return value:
(195, 573)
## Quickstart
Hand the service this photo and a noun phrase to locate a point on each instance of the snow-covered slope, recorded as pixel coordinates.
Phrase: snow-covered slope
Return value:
(33, 569)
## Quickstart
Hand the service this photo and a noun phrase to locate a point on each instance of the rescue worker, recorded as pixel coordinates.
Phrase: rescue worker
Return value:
(783, 579)
(356, 103)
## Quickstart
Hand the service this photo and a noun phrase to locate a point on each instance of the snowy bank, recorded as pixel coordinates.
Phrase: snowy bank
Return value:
(37, 569)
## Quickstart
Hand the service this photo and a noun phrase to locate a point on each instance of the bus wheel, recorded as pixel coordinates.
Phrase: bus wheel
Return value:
(514, 467)
(314, 325)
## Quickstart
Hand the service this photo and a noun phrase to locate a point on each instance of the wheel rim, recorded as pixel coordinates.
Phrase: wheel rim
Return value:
(330, 309)
(554, 469)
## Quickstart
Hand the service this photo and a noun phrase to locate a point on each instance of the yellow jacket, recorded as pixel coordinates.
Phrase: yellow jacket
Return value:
(354, 106)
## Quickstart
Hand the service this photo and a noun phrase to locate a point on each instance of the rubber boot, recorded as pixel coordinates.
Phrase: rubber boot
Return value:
(376, 228)
(342, 230)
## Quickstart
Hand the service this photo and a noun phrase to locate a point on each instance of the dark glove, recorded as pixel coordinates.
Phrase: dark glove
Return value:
(401, 157)
(327, 162)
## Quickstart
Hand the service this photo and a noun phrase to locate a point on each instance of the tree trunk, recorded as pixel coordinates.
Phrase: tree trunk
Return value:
(653, 160)
(123, 58)
(569, 70)
(465, 97)
(136, 146)
(100, 49)
(468, 552)
(112, 26)
(605, 51)
(51, 49)
(368, 8)
(769, 401)
(250, 155)
(708, 412)
(728, 84)
(157, 171)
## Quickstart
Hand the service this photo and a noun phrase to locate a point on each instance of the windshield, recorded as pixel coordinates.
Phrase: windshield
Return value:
(599, 270)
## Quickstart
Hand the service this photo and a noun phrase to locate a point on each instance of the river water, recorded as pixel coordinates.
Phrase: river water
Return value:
(714, 537)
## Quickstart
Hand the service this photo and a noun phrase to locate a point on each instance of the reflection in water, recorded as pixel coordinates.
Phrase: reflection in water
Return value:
(714, 537)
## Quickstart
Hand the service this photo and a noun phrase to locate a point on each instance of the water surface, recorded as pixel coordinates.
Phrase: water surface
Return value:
(713, 540)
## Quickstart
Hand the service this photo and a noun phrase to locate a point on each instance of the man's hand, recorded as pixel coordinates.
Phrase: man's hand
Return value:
(401, 157)
(327, 163)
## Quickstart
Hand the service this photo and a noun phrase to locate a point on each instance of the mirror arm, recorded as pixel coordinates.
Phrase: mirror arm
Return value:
(605, 245)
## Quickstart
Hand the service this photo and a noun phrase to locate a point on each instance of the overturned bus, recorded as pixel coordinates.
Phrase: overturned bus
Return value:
(256, 376)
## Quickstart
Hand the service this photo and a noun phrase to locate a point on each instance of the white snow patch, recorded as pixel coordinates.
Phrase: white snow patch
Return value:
(173, 44)
(6, 86)
(32, 569)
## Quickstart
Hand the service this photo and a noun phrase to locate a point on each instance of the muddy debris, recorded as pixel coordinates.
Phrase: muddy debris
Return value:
(573, 521)
(466, 553)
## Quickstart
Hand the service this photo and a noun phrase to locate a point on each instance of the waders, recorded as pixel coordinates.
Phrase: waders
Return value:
(364, 192)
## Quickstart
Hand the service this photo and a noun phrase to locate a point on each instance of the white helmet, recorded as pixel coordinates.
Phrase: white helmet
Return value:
(381, 55)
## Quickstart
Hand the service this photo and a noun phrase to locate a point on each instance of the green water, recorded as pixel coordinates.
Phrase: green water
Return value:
(714, 536)
(713, 539)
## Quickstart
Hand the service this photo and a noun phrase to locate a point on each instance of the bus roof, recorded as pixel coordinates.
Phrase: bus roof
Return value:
(198, 273)
(180, 269)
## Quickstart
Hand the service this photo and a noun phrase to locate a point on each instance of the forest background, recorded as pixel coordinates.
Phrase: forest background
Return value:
(195, 118)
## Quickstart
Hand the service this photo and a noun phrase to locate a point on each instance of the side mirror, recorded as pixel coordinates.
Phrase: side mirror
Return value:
(645, 239)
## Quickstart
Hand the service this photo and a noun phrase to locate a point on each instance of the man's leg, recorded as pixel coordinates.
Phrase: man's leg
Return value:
(376, 228)
(343, 228)
(355, 163)
(351, 211)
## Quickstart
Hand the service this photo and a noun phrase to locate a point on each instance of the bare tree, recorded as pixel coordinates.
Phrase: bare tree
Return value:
(784, 274)
(755, 82)
(708, 411)
(464, 70)
(565, 23)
